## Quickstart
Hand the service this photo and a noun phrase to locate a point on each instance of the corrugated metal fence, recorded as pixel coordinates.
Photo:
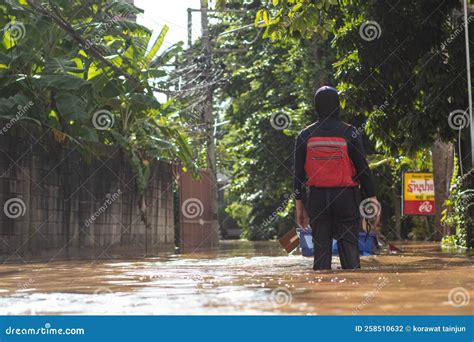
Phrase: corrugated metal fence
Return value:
(195, 212)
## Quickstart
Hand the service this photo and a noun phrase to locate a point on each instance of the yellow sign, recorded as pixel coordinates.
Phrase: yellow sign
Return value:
(418, 193)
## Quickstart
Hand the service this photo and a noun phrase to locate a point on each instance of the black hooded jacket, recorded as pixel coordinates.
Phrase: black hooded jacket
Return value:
(327, 107)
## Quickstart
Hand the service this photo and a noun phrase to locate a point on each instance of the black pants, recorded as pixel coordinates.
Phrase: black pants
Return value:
(334, 213)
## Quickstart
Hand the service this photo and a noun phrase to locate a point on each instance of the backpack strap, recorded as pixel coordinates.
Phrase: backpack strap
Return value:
(340, 130)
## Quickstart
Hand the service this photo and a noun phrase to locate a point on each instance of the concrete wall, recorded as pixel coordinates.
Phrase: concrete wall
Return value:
(54, 204)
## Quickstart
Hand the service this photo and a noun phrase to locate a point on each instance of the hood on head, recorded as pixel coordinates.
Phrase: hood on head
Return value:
(326, 102)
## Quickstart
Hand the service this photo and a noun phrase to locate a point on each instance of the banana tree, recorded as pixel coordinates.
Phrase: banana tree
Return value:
(93, 76)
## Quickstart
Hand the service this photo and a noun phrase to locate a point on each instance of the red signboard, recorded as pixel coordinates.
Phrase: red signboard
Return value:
(418, 194)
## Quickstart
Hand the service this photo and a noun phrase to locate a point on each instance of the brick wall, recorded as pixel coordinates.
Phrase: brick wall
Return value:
(54, 203)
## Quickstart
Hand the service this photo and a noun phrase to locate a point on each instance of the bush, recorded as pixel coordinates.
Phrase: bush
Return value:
(456, 214)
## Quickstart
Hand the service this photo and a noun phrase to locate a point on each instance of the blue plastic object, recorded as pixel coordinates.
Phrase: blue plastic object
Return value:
(366, 246)
(306, 242)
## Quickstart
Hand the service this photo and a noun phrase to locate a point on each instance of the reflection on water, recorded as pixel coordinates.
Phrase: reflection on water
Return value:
(242, 278)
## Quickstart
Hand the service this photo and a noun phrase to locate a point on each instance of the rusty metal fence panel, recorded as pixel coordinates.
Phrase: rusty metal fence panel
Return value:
(195, 212)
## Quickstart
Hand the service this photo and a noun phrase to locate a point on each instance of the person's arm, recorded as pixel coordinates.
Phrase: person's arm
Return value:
(299, 177)
(363, 173)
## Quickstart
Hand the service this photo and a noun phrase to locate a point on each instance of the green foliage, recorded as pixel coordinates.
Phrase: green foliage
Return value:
(398, 68)
(407, 92)
(420, 228)
(77, 59)
(452, 242)
(387, 174)
(269, 81)
(456, 214)
(296, 18)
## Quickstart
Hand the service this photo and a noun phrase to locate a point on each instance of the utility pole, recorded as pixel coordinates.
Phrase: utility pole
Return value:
(470, 227)
(469, 86)
(210, 123)
(209, 116)
(190, 28)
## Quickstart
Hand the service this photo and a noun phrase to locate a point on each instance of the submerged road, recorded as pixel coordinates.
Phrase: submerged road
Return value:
(243, 278)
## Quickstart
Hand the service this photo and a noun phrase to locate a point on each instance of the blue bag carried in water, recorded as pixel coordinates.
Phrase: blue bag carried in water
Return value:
(306, 242)
(367, 244)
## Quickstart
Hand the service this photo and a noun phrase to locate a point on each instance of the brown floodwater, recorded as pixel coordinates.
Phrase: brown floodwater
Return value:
(243, 278)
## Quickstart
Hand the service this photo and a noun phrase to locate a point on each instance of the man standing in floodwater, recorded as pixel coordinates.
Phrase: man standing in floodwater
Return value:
(330, 160)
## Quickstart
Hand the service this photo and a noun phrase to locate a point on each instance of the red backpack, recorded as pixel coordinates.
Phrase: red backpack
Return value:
(328, 164)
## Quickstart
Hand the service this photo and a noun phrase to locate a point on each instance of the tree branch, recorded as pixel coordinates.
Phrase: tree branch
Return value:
(62, 23)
